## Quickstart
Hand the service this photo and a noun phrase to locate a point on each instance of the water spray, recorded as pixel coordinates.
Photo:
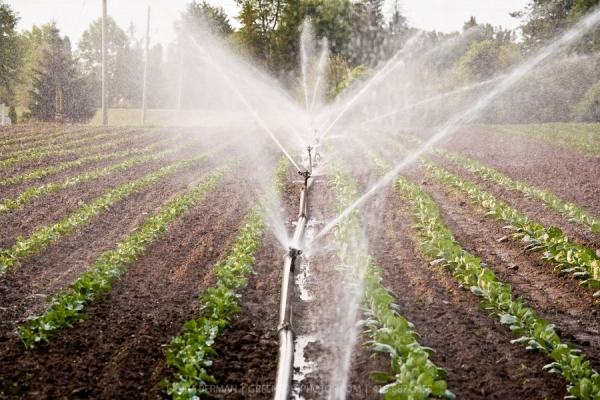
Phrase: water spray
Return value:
(453, 124)
(434, 98)
(243, 99)
(387, 68)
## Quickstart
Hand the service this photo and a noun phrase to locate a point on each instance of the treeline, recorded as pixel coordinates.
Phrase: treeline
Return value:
(361, 39)
(42, 71)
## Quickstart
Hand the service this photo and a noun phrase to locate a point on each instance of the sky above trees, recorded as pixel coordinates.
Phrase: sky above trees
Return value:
(74, 16)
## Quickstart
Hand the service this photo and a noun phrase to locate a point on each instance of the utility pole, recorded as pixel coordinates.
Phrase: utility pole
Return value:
(146, 70)
(104, 66)
(180, 88)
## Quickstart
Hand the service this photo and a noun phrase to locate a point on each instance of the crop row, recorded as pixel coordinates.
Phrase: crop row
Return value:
(568, 256)
(45, 235)
(59, 152)
(38, 191)
(66, 307)
(36, 135)
(63, 145)
(416, 376)
(47, 171)
(572, 211)
(535, 333)
(189, 354)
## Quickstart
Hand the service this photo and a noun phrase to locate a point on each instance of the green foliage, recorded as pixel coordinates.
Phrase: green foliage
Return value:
(588, 109)
(60, 150)
(81, 216)
(189, 354)
(66, 308)
(355, 76)
(39, 191)
(206, 16)
(546, 19)
(58, 83)
(535, 333)
(259, 19)
(487, 58)
(12, 114)
(10, 53)
(416, 376)
(125, 63)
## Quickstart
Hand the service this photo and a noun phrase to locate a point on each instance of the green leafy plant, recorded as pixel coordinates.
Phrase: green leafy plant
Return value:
(189, 354)
(416, 377)
(57, 146)
(573, 212)
(45, 235)
(34, 155)
(39, 191)
(535, 333)
(66, 307)
(47, 171)
(33, 136)
(567, 256)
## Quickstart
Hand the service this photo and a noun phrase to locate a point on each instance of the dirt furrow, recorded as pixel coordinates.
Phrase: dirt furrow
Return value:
(569, 175)
(558, 298)
(49, 209)
(23, 290)
(473, 349)
(13, 190)
(117, 353)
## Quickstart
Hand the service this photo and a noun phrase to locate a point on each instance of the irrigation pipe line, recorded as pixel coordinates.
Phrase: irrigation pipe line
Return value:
(285, 332)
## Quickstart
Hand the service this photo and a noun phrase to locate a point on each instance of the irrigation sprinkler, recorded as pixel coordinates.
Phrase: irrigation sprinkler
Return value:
(285, 332)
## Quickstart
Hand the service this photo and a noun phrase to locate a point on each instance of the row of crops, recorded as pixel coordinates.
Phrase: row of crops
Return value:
(68, 307)
(439, 245)
(33, 168)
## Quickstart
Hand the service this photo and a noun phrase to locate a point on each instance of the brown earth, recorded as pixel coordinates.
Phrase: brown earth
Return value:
(118, 352)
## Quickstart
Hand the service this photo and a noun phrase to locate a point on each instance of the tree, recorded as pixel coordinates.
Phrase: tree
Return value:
(545, 19)
(259, 19)
(58, 82)
(204, 15)
(330, 19)
(488, 58)
(397, 32)
(10, 53)
(33, 43)
(125, 62)
(368, 33)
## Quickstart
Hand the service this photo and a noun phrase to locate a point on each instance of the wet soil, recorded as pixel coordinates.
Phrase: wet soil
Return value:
(27, 166)
(118, 352)
(13, 190)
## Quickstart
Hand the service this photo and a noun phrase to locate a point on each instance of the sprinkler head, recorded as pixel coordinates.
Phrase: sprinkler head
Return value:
(294, 252)
(306, 175)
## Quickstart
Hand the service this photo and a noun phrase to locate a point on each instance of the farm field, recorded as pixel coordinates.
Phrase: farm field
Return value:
(129, 232)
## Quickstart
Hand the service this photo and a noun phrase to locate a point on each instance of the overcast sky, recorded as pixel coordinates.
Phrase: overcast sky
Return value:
(74, 16)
